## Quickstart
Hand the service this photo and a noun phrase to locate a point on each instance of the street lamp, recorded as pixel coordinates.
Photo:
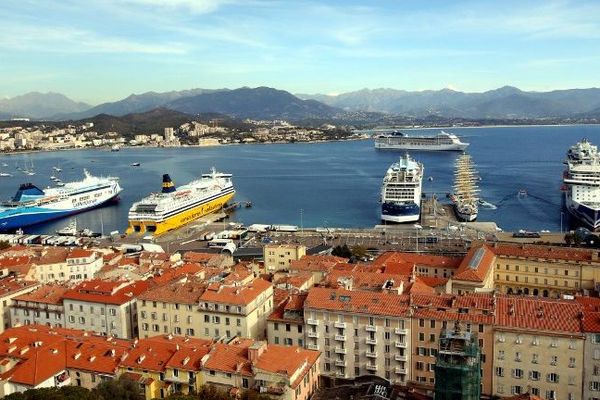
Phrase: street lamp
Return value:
(301, 223)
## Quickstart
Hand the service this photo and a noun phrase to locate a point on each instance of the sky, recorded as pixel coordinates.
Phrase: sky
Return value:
(104, 50)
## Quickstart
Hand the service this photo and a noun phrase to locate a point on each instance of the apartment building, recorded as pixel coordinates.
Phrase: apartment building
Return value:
(277, 257)
(38, 356)
(43, 306)
(545, 271)
(434, 314)
(420, 264)
(359, 333)
(166, 364)
(318, 265)
(105, 307)
(285, 325)
(591, 351)
(228, 310)
(9, 289)
(286, 373)
(83, 264)
(475, 273)
(171, 308)
(538, 348)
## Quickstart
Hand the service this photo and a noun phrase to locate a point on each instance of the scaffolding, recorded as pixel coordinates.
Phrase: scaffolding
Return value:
(458, 365)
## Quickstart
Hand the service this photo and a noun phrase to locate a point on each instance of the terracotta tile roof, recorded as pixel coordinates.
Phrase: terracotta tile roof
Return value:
(294, 280)
(364, 280)
(525, 396)
(107, 292)
(230, 358)
(52, 255)
(187, 292)
(290, 310)
(418, 286)
(10, 285)
(159, 352)
(433, 281)
(475, 308)
(95, 355)
(450, 315)
(287, 360)
(280, 295)
(363, 302)
(172, 272)
(80, 253)
(10, 262)
(239, 295)
(138, 378)
(316, 263)
(476, 265)
(403, 263)
(197, 257)
(535, 314)
(45, 294)
(591, 313)
(544, 252)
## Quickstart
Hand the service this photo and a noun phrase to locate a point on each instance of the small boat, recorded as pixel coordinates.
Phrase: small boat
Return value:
(30, 173)
(522, 193)
(430, 179)
(4, 164)
(135, 164)
(56, 169)
(4, 174)
(52, 177)
(69, 230)
(115, 148)
(248, 204)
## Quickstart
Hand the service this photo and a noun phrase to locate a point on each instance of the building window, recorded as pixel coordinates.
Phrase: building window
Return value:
(499, 371)
(553, 377)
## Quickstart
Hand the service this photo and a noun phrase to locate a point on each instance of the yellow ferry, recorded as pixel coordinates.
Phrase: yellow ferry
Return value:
(174, 207)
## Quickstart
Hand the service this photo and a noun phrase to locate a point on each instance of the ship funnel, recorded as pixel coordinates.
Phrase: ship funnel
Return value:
(167, 186)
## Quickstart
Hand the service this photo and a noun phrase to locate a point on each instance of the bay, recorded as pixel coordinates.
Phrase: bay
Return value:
(333, 184)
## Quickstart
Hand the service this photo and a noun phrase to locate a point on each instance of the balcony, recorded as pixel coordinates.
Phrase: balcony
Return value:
(340, 374)
(312, 322)
(399, 357)
(340, 363)
(340, 350)
(340, 325)
(400, 331)
(370, 341)
(371, 328)
(313, 347)
(400, 371)
(371, 367)
(400, 345)
(371, 355)
(341, 338)
(312, 334)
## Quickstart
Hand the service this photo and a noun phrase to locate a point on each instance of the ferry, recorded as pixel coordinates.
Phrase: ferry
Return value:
(399, 141)
(31, 205)
(401, 191)
(582, 183)
(174, 207)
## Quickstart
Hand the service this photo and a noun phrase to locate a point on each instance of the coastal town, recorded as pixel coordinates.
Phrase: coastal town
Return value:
(497, 319)
(49, 137)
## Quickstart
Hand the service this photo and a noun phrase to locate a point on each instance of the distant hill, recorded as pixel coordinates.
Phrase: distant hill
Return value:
(505, 102)
(154, 121)
(39, 106)
(255, 103)
(135, 103)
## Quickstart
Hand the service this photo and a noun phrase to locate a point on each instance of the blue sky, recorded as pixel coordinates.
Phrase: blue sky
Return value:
(104, 50)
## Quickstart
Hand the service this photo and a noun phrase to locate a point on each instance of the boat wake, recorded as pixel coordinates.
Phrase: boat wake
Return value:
(487, 205)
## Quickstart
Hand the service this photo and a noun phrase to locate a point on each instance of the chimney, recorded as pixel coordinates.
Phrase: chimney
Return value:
(256, 350)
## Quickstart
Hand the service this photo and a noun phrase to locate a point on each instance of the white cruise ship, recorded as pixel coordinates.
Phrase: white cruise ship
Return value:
(175, 207)
(582, 183)
(401, 191)
(31, 205)
(399, 141)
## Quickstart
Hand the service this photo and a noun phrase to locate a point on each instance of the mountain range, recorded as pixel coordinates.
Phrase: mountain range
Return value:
(267, 103)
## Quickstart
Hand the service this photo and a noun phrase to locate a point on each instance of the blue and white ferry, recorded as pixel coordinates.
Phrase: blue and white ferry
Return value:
(401, 191)
(582, 183)
(31, 205)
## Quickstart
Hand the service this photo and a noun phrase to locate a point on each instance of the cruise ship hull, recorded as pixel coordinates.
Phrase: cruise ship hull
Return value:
(436, 147)
(12, 219)
(155, 227)
(399, 213)
(587, 215)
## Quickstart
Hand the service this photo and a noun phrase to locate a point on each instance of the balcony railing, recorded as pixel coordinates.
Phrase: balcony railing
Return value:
(371, 341)
(340, 338)
(371, 367)
(371, 328)
(400, 344)
(312, 334)
(400, 371)
(340, 363)
(399, 357)
(400, 331)
(340, 325)
(313, 346)
(340, 350)
(312, 322)
(371, 354)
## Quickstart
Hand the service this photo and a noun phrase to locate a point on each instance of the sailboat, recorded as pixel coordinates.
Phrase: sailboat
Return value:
(465, 196)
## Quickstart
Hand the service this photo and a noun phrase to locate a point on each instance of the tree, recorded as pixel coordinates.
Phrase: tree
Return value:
(359, 251)
(4, 245)
(341, 251)
(120, 389)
